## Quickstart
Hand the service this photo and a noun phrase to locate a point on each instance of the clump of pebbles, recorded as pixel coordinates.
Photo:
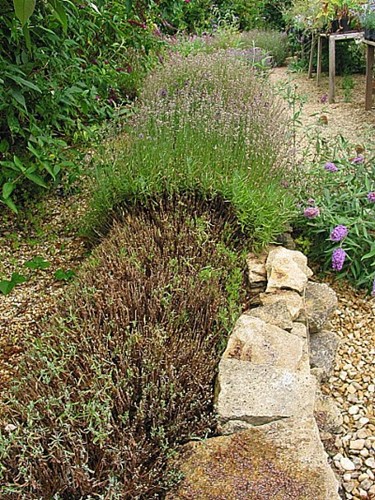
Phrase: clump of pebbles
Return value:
(353, 388)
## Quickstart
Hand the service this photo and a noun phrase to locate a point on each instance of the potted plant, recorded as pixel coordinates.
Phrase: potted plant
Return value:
(340, 15)
(368, 22)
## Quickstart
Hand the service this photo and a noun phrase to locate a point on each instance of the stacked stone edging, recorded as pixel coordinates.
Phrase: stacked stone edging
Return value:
(268, 392)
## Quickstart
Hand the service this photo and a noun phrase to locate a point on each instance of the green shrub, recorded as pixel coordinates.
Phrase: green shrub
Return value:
(341, 189)
(207, 124)
(125, 371)
(56, 87)
(271, 42)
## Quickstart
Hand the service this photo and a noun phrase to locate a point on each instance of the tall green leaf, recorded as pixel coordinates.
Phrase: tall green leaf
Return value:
(24, 9)
(60, 13)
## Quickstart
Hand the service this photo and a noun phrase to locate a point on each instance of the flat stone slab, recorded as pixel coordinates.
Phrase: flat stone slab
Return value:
(264, 344)
(258, 394)
(283, 460)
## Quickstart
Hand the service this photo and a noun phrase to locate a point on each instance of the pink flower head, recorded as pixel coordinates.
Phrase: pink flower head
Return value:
(338, 233)
(338, 259)
(311, 201)
(311, 212)
(357, 160)
(330, 167)
(371, 196)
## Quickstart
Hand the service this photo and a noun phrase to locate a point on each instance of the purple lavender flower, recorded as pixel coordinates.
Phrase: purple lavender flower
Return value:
(331, 167)
(338, 259)
(371, 196)
(324, 98)
(339, 233)
(311, 212)
(311, 202)
(358, 159)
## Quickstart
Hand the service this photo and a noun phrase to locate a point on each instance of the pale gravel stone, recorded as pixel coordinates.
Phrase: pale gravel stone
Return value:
(347, 464)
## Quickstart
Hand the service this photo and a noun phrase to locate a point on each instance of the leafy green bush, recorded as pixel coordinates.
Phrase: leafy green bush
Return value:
(272, 42)
(125, 372)
(341, 194)
(57, 86)
(207, 124)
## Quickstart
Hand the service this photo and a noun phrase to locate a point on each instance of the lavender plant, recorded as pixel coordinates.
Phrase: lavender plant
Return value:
(342, 232)
(207, 124)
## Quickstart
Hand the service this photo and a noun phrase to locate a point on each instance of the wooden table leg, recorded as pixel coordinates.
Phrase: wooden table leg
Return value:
(369, 76)
(313, 42)
(319, 61)
(332, 69)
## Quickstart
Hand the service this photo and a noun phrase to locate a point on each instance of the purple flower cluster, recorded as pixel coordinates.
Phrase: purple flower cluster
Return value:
(371, 196)
(373, 288)
(330, 167)
(338, 259)
(338, 233)
(324, 98)
(311, 212)
(358, 159)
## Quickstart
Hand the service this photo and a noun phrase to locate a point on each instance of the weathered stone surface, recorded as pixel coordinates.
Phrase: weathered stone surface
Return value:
(300, 330)
(287, 269)
(257, 268)
(320, 303)
(282, 460)
(292, 300)
(327, 414)
(323, 349)
(276, 314)
(262, 344)
(258, 394)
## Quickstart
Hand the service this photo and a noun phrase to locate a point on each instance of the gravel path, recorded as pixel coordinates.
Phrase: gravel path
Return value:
(353, 382)
(48, 230)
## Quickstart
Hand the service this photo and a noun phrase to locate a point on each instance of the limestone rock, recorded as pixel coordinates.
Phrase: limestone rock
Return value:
(320, 303)
(257, 268)
(258, 394)
(323, 349)
(300, 330)
(263, 344)
(287, 269)
(327, 414)
(276, 314)
(292, 300)
(281, 460)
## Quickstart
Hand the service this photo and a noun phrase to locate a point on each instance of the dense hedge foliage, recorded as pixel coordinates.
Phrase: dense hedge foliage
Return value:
(56, 85)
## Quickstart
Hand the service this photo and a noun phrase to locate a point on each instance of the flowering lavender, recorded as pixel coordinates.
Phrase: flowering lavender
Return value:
(358, 159)
(338, 259)
(324, 98)
(311, 212)
(331, 167)
(339, 233)
(371, 196)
